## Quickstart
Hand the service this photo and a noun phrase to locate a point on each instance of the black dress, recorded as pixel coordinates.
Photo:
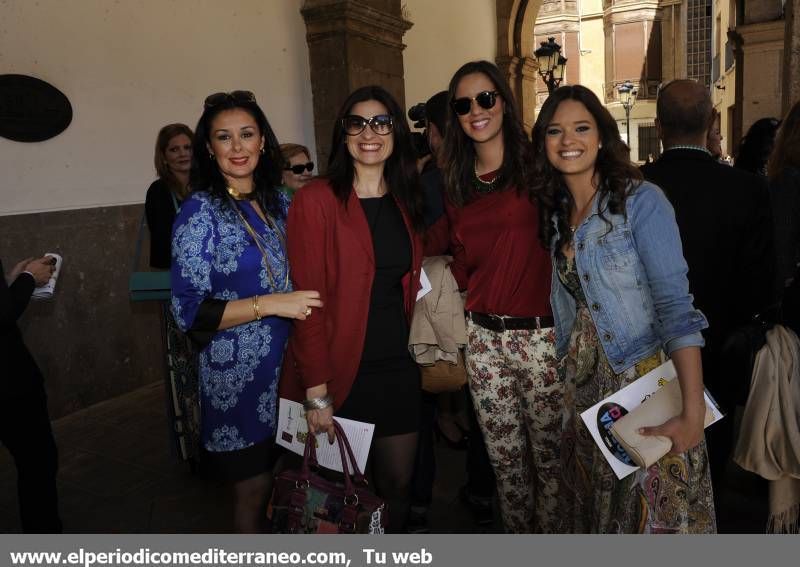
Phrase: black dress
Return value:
(386, 390)
(160, 207)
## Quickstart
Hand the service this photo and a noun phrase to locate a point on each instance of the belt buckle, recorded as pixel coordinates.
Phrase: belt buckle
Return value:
(502, 321)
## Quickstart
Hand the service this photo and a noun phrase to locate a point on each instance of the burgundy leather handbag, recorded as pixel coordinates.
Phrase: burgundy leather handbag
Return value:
(304, 502)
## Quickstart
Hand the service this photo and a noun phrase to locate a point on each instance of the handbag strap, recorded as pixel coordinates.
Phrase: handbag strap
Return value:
(343, 441)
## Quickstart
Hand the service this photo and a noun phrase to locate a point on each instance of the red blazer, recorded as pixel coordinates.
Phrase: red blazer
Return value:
(330, 251)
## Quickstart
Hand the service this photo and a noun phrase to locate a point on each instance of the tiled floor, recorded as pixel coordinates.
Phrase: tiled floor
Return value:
(117, 476)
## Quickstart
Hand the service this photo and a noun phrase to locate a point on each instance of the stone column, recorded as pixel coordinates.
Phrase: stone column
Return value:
(509, 66)
(529, 69)
(791, 55)
(351, 43)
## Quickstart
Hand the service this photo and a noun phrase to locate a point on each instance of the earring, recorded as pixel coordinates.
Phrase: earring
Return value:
(600, 145)
(210, 155)
(262, 150)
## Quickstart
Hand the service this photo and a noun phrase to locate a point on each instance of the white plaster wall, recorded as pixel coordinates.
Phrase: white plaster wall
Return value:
(446, 34)
(129, 67)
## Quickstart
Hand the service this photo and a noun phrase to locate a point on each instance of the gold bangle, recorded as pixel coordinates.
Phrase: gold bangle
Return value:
(255, 308)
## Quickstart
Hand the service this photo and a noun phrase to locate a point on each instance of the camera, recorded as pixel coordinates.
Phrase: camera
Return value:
(417, 115)
(418, 139)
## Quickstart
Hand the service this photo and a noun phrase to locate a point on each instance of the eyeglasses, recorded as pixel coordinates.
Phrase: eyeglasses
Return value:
(216, 99)
(486, 99)
(382, 124)
(300, 168)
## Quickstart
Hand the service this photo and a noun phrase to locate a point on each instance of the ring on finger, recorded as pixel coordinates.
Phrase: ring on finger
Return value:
(308, 311)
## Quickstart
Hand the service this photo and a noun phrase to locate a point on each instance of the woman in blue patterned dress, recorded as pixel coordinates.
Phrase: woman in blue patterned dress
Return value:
(231, 293)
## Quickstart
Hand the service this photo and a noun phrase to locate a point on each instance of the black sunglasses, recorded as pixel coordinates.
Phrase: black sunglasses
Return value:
(486, 99)
(382, 124)
(300, 168)
(215, 99)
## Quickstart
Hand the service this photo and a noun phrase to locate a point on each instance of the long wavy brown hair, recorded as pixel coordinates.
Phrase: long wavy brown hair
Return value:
(459, 150)
(616, 172)
(786, 152)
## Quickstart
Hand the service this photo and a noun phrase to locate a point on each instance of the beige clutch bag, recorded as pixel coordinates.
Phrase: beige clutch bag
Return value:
(665, 403)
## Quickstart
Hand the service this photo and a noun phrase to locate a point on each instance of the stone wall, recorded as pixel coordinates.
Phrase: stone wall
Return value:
(90, 341)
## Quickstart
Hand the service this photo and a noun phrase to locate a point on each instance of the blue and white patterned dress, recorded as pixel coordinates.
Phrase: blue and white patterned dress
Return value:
(215, 257)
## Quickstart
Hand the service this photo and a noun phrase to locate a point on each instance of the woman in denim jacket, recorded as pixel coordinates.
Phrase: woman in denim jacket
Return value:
(621, 301)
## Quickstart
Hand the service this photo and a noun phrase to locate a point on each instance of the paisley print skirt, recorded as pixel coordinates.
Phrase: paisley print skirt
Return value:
(672, 496)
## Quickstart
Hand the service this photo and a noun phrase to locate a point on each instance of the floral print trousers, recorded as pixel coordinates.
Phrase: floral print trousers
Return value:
(517, 392)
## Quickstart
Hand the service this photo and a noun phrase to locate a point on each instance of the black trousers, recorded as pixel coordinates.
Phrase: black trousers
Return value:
(25, 430)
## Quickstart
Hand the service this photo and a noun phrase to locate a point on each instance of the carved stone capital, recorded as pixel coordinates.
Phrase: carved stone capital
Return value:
(529, 68)
(508, 65)
(335, 17)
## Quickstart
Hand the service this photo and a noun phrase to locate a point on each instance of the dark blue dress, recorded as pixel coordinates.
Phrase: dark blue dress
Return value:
(215, 257)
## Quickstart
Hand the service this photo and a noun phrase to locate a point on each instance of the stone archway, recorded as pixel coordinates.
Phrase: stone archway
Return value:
(515, 45)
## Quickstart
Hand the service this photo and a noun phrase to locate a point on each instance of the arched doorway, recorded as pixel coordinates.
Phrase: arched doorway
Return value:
(515, 45)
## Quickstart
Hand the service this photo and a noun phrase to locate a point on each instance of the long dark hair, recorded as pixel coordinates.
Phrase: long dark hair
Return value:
(459, 150)
(616, 172)
(205, 174)
(757, 145)
(160, 161)
(786, 152)
(400, 170)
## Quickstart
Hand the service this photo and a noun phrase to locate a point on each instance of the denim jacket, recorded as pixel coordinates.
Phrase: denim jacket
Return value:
(633, 275)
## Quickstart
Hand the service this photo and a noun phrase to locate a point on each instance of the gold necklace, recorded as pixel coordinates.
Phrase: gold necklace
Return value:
(481, 186)
(240, 196)
(273, 225)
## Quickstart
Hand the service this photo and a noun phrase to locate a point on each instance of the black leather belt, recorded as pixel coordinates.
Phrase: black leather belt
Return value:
(498, 323)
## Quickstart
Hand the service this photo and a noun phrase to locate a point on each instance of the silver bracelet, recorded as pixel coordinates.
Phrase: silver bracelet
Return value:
(318, 403)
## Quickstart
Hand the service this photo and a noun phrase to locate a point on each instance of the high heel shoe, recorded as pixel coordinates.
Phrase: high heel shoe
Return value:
(458, 445)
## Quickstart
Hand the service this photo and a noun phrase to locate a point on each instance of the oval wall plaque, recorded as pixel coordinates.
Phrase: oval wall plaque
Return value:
(32, 110)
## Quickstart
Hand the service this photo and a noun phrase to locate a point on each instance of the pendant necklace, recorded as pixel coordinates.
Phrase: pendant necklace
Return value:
(580, 216)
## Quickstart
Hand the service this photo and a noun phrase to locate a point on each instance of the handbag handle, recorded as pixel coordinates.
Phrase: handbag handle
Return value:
(346, 455)
(310, 459)
(343, 441)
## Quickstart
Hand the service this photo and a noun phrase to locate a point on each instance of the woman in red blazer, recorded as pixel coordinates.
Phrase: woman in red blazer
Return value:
(355, 235)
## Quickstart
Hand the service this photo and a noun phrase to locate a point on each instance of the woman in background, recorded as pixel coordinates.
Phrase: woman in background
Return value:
(355, 235)
(756, 146)
(297, 167)
(620, 299)
(231, 293)
(173, 160)
(714, 137)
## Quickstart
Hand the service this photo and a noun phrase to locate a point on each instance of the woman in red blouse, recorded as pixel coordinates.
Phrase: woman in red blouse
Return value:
(491, 229)
(356, 233)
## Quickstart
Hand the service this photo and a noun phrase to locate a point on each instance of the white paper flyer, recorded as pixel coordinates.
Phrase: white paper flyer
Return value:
(293, 432)
(600, 417)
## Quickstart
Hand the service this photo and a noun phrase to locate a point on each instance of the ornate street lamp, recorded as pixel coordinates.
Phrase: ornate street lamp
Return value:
(552, 65)
(627, 97)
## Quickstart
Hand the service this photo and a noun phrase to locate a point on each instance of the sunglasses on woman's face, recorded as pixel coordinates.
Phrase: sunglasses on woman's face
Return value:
(300, 168)
(215, 99)
(486, 99)
(382, 124)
